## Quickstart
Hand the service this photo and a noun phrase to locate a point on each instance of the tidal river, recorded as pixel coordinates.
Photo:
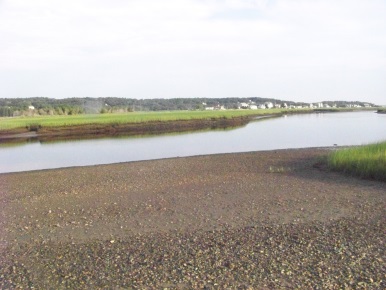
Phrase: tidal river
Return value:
(293, 131)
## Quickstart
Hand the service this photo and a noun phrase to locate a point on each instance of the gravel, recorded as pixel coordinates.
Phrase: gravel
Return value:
(258, 220)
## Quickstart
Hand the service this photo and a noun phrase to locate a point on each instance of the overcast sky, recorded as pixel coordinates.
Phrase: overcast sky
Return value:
(301, 50)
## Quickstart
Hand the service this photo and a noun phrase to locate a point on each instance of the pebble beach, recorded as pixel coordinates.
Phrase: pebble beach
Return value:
(256, 220)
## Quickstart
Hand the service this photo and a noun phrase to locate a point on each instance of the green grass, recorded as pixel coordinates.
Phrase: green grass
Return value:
(368, 161)
(134, 117)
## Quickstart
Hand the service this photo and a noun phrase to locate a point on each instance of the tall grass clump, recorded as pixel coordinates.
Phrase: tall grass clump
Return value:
(368, 161)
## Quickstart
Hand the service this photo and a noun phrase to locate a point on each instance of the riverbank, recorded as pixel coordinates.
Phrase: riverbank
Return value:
(55, 128)
(381, 111)
(95, 131)
(260, 219)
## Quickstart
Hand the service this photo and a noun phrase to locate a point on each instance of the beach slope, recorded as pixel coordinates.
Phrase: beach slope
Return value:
(257, 220)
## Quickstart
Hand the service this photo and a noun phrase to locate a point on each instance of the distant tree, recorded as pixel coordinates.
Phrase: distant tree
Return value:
(6, 112)
(104, 111)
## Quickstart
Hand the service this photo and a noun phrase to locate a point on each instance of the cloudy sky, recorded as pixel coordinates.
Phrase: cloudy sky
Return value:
(301, 50)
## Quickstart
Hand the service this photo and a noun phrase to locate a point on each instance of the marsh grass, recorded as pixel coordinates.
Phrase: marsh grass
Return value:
(368, 161)
(133, 117)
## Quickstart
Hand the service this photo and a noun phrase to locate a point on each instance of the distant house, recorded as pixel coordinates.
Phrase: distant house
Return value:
(31, 108)
(268, 105)
(219, 107)
(243, 106)
(262, 106)
(253, 107)
(209, 108)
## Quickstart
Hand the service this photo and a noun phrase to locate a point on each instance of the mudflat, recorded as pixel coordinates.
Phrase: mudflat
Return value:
(257, 220)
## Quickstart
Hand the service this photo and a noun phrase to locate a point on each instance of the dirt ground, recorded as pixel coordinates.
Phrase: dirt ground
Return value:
(258, 220)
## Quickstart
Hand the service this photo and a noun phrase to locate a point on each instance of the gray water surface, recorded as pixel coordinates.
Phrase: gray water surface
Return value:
(293, 131)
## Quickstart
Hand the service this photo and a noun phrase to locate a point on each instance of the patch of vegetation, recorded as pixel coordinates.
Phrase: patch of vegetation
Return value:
(367, 161)
(33, 127)
(279, 169)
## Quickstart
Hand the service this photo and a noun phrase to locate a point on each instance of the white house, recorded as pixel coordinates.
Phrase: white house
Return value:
(31, 108)
(268, 105)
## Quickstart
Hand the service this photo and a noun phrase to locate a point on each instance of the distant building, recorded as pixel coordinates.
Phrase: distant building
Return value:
(268, 105)
(31, 108)
(219, 107)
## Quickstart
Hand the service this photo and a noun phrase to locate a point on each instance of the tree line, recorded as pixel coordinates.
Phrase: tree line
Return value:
(72, 106)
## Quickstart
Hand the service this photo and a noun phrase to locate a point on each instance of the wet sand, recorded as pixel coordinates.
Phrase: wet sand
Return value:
(258, 220)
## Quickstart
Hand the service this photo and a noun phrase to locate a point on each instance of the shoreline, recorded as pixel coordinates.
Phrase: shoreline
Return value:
(265, 219)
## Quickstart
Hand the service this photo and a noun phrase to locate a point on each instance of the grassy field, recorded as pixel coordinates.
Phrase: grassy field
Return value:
(134, 117)
(367, 161)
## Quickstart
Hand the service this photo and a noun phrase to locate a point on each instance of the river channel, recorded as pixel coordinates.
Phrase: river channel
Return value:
(292, 131)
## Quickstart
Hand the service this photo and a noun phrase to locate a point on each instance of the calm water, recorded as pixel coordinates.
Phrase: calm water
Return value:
(298, 131)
